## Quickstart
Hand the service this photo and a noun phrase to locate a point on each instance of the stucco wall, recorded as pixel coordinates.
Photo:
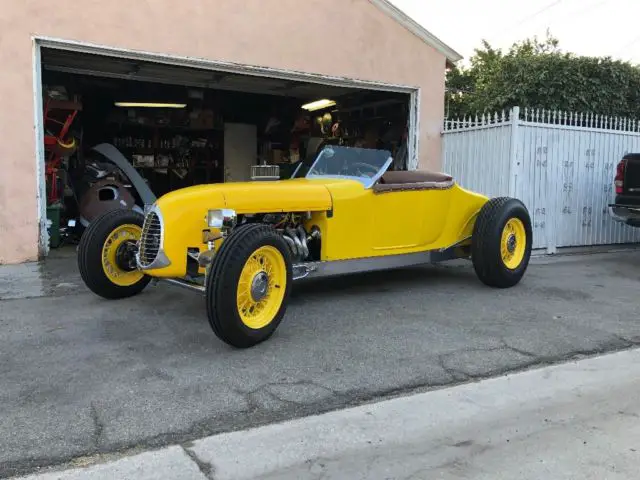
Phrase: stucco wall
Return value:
(349, 38)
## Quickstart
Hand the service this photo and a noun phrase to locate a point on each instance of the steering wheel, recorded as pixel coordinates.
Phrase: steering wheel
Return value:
(356, 168)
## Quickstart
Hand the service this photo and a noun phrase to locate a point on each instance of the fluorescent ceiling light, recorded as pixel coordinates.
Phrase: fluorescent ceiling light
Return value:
(319, 104)
(150, 105)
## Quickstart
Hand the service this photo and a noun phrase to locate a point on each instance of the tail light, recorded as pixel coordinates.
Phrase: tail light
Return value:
(619, 182)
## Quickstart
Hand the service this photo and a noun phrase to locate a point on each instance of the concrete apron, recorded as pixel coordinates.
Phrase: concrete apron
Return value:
(56, 276)
(575, 420)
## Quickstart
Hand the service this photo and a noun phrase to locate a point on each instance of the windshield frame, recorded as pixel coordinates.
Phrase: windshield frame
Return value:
(368, 182)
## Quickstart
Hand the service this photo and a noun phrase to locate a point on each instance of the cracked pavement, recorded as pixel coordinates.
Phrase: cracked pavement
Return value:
(82, 376)
(206, 468)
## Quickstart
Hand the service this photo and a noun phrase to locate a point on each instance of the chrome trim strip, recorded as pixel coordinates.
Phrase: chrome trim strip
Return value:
(369, 264)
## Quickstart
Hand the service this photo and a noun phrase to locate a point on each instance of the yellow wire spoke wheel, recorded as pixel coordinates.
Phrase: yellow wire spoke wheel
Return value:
(261, 287)
(116, 240)
(513, 243)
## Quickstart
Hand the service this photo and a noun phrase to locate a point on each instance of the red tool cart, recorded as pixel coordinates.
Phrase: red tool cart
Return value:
(58, 142)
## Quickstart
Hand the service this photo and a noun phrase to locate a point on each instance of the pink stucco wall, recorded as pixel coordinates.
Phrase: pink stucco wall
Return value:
(350, 38)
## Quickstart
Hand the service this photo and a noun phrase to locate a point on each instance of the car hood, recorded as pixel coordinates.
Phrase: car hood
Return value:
(254, 197)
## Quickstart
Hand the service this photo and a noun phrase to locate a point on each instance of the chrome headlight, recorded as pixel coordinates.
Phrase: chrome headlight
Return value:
(222, 219)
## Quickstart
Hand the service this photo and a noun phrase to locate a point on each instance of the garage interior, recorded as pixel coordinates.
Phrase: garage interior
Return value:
(180, 126)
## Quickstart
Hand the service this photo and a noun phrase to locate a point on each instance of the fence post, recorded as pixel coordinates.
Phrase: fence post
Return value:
(514, 164)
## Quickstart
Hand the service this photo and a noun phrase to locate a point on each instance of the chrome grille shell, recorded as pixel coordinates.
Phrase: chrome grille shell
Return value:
(150, 253)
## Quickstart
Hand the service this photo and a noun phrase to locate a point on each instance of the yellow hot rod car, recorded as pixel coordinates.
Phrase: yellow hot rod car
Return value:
(244, 244)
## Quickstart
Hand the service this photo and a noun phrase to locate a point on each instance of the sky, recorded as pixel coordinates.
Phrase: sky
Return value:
(585, 27)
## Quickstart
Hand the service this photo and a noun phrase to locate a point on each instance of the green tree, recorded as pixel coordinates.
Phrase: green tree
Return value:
(537, 74)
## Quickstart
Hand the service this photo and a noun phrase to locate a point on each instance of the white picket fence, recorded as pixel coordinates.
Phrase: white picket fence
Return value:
(561, 165)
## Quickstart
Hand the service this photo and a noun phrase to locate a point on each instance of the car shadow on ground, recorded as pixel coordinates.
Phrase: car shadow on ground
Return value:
(388, 281)
(358, 287)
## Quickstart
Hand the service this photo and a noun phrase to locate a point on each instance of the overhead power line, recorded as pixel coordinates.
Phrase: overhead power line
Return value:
(539, 12)
(627, 45)
(578, 13)
(531, 16)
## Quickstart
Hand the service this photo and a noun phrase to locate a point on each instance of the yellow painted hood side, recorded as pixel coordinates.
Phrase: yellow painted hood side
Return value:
(184, 211)
(253, 197)
(296, 195)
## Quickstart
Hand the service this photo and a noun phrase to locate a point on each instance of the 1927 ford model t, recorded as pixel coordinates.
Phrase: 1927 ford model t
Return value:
(244, 244)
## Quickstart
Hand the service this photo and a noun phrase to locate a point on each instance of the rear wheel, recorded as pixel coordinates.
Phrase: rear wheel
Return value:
(501, 242)
(106, 255)
(248, 286)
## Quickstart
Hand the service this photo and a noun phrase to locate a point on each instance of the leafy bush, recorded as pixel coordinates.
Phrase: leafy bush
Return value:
(538, 74)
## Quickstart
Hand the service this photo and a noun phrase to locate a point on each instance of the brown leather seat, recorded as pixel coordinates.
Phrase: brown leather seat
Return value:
(413, 180)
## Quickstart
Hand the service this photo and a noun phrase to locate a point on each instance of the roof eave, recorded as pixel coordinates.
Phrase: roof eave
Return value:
(418, 30)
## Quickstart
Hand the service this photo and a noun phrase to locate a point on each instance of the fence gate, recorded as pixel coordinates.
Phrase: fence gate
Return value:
(561, 165)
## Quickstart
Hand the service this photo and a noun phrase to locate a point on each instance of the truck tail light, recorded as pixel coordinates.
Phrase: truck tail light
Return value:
(620, 170)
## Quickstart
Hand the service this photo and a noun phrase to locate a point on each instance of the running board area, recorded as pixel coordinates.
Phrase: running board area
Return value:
(371, 264)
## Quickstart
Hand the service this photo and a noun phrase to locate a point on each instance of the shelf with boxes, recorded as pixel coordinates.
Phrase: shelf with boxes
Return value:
(171, 157)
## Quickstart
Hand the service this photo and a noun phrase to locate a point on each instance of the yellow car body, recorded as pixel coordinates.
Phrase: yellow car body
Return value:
(354, 222)
(244, 244)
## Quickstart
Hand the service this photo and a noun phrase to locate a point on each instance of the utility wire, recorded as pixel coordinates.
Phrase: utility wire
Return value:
(630, 44)
(573, 15)
(535, 14)
(582, 11)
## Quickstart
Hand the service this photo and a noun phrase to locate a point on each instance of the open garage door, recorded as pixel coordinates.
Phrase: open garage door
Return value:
(179, 122)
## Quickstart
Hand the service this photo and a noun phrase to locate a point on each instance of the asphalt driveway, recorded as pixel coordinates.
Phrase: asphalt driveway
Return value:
(80, 375)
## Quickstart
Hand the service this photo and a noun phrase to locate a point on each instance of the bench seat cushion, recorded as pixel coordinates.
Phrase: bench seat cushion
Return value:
(413, 180)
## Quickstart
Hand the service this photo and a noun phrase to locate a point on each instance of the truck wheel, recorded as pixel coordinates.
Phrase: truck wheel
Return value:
(501, 242)
(248, 286)
(106, 255)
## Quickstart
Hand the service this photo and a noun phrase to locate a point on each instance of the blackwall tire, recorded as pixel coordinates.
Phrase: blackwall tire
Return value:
(501, 242)
(230, 318)
(101, 275)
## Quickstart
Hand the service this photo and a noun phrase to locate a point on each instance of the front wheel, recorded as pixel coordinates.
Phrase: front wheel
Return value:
(106, 255)
(248, 285)
(501, 242)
